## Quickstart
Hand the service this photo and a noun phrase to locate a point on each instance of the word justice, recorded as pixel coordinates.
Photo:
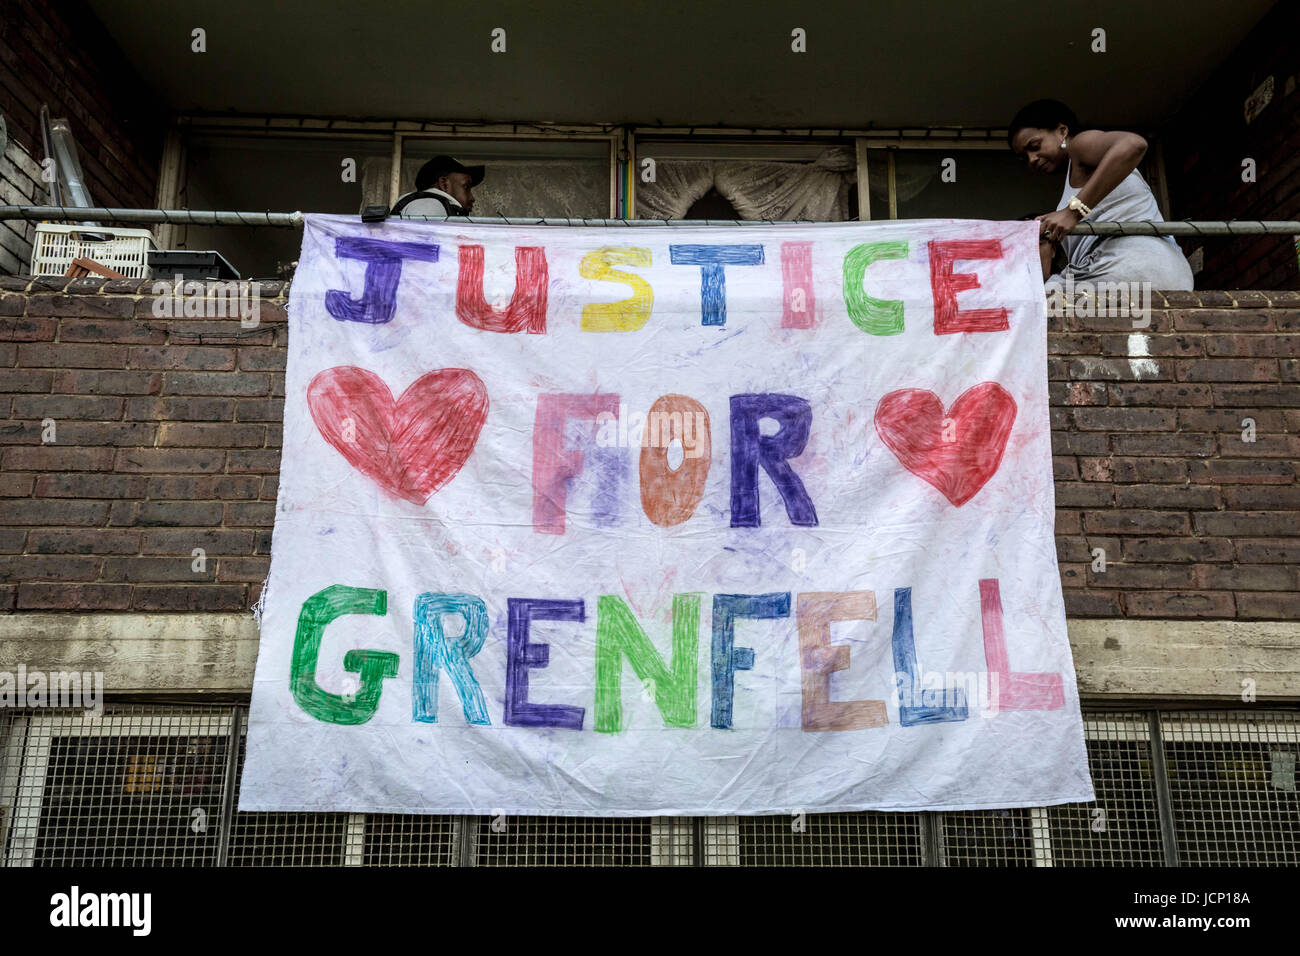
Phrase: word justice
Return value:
(526, 311)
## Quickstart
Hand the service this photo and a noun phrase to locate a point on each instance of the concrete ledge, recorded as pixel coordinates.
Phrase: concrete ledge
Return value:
(216, 653)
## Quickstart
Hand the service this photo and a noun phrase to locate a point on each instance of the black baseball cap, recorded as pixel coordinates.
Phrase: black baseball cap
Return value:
(440, 166)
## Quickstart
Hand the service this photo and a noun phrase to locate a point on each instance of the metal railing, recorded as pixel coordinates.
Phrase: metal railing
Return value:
(196, 217)
(157, 785)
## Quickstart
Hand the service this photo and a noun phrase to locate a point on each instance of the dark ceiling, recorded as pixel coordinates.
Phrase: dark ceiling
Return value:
(874, 63)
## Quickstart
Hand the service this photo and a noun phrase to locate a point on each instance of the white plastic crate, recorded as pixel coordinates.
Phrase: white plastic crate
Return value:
(57, 245)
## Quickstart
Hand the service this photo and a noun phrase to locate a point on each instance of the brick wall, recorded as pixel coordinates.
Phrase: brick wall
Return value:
(168, 434)
(59, 55)
(1207, 141)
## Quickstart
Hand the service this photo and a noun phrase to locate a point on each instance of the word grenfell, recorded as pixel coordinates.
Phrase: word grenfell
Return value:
(53, 689)
(75, 908)
(208, 300)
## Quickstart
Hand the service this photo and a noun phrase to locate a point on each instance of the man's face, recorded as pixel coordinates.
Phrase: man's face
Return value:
(456, 185)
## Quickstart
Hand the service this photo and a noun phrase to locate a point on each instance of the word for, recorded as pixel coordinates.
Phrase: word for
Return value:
(526, 311)
(673, 684)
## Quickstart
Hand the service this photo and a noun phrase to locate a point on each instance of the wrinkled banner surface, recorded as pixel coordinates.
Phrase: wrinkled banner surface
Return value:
(665, 520)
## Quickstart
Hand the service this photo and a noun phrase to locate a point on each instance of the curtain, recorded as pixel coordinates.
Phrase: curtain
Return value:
(573, 188)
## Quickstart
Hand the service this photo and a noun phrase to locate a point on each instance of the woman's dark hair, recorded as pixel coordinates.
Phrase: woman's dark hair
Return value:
(1043, 114)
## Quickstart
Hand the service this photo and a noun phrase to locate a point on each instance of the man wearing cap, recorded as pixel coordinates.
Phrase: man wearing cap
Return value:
(442, 188)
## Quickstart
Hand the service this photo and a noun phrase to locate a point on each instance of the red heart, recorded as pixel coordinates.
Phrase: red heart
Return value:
(913, 424)
(411, 447)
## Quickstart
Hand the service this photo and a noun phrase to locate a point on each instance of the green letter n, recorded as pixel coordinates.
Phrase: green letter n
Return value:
(618, 635)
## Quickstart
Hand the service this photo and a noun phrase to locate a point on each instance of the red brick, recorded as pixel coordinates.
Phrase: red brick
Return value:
(1227, 370)
(1266, 606)
(1256, 345)
(183, 357)
(250, 513)
(181, 409)
(1114, 369)
(98, 408)
(1170, 445)
(205, 487)
(117, 434)
(1177, 549)
(55, 458)
(81, 306)
(1079, 494)
(1262, 497)
(1222, 320)
(198, 597)
(15, 486)
(1179, 604)
(170, 460)
(1064, 468)
(1264, 446)
(1166, 496)
(27, 329)
(243, 570)
(243, 461)
(1156, 346)
(73, 597)
(1268, 550)
(1252, 577)
(1254, 396)
(221, 435)
(1126, 419)
(27, 380)
(52, 513)
(48, 567)
(179, 568)
(44, 541)
(43, 355)
(1129, 521)
(1080, 443)
(1136, 470)
(1258, 471)
(1229, 420)
(260, 410)
(1096, 469)
(1248, 523)
(94, 485)
(262, 359)
(217, 383)
(1089, 603)
(1067, 522)
(100, 330)
(107, 383)
(1169, 395)
(183, 541)
(1135, 576)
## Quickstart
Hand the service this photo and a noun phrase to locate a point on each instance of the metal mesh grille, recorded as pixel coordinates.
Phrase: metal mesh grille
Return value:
(1232, 779)
(1122, 826)
(979, 837)
(129, 788)
(156, 785)
(392, 839)
(562, 841)
(831, 839)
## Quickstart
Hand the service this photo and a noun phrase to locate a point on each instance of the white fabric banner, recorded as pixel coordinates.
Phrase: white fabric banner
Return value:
(665, 520)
